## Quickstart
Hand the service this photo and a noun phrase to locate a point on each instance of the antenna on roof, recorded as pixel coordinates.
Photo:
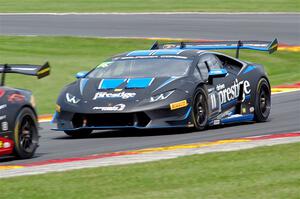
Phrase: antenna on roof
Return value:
(239, 44)
(182, 45)
(5, 68)
(154, 46)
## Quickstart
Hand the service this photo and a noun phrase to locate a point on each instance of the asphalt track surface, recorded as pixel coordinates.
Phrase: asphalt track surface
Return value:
(284, 118)
(285, 27)
(285, 114)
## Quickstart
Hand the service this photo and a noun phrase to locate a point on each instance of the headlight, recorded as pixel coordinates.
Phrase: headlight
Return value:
(72, 99)
(162, 96)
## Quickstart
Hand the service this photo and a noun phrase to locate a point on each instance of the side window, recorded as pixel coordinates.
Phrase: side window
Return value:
(231, 65)
(212, 61)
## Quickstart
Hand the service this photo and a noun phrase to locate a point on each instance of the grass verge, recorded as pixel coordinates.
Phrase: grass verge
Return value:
(68, 55)
(267, 172)
(149, 6)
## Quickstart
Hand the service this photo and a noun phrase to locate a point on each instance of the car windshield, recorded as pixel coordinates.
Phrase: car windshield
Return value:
(131, 68)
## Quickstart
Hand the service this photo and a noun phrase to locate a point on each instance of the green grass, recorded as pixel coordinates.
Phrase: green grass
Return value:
(149, 6)
(69, 55)
(267, 172)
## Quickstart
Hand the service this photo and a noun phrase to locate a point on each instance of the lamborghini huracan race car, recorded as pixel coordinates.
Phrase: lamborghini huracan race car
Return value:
(171, 85)
(18, 119)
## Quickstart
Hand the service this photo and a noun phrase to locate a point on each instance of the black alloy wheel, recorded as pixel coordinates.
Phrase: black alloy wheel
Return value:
(200, 109)
(26, 134)
(262, 101)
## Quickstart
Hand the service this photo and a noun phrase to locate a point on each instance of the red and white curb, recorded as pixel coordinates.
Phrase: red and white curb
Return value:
(147, 155)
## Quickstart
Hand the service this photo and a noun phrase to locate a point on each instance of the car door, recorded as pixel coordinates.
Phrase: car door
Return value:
(220, 95)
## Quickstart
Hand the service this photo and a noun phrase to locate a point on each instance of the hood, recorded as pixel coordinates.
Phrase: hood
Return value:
(93, 94)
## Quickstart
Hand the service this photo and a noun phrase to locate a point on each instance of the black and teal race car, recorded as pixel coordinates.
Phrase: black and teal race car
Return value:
(18, 118)
(172, 85)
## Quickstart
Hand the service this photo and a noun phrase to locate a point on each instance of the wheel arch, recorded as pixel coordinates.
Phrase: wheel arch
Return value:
(30, 107)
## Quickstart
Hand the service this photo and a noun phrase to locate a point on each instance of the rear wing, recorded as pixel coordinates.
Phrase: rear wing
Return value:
(26, 69)
(269, 46)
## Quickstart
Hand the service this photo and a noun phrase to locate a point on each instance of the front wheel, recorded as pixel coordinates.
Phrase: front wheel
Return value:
(79, 133)
(26, 135)
(262, 105)
(200, 109)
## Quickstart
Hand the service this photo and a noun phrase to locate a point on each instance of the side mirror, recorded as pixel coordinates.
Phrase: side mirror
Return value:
(216, 73)
(81, 74)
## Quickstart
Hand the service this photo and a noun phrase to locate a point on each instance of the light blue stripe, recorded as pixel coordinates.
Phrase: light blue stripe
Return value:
(83, 84)
(242, 118)
(167, 52)
(248, 69)
(223, 48)
(111, 83)
(139, 82)
(54, 118)
(187, 113)
(140, 53)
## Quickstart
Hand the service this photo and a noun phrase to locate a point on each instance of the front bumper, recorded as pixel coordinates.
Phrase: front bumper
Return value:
(149, 119)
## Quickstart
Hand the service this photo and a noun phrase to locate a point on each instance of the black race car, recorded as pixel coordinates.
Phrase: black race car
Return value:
(171, 85)
(18, 119)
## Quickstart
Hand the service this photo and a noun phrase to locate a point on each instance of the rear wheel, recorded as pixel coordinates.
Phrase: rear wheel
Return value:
(200, 109)
(79, 133)
(262, 105)
(26, 134)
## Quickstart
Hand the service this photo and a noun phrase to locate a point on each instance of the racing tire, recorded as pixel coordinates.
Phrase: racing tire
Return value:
(200, 109)
(25, 136)
(262, 104)
(79, 133)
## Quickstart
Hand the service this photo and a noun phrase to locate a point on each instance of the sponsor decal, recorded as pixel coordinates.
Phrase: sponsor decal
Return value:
(4, 126)
(122, 95)
(3, 106)
(213, 101)
(16, 98)
(118, 107)
(177, 105)
(232, 92)
(217, 122)
(162, 96)
(210, 90)
(72, 99)
(2, 92)
(118, 90)
(244, 110)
